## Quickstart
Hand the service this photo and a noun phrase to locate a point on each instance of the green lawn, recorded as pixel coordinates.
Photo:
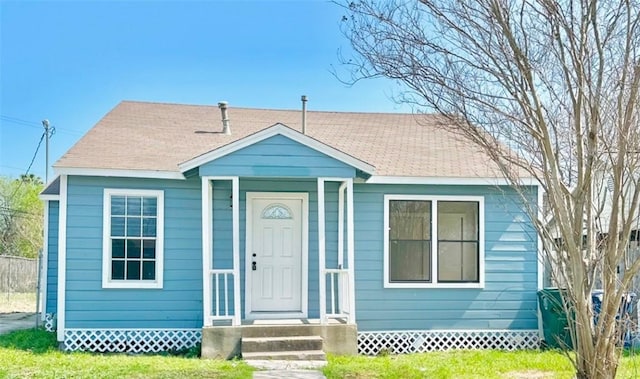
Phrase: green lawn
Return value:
(467, 364)
(32, 354)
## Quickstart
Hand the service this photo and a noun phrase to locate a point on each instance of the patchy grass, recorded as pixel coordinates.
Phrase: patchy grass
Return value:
(17, 302)
(33, 354)
(466, 364)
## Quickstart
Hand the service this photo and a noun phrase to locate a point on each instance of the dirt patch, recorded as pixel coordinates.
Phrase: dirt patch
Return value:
(17, 302)
(528, 374)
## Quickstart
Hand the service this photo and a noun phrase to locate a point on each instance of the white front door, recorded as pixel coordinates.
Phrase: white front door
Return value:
(276, 248)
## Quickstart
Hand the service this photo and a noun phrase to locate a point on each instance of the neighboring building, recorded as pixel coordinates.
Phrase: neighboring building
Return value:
(382, 222)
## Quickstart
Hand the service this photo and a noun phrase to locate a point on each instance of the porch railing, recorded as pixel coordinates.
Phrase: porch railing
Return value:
(338, 280)
(222, 305)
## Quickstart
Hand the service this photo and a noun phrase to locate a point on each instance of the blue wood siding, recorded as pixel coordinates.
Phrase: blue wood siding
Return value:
(52, 258)
(508, 300)
(277, 156)
(178, 304)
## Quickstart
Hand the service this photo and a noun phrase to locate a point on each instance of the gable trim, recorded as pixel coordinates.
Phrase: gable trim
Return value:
(277, 129)
(149, 174)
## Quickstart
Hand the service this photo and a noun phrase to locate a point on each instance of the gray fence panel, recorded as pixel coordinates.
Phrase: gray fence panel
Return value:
(18, 274)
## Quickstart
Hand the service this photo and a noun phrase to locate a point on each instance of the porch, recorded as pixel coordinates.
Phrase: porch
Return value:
(263, 283)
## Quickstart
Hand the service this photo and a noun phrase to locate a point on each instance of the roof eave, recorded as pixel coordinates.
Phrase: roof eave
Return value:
(125, 173)
(476, 180)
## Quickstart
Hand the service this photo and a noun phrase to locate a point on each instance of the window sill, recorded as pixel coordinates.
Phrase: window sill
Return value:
(434, 285)
(132, 284)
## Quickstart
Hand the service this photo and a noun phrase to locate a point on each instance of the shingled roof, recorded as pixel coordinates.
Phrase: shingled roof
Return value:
(158, 137)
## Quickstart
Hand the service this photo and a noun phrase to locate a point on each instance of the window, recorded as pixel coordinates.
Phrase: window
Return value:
(433, 241)
(133, 239)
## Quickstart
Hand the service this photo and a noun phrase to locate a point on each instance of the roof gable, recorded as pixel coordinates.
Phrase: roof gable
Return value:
(277, 130)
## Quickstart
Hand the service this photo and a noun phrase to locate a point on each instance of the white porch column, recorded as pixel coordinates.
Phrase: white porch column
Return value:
(351, 252)
(207, 255)
(322, 280)
(236, 249)
(207, 193)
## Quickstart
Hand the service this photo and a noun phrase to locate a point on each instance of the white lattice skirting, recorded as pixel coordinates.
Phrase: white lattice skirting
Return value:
(131, 340)
(50, 322)
(418, 341)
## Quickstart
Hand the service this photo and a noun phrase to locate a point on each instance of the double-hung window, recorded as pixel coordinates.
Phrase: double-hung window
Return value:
(133, 228)
(433, 241)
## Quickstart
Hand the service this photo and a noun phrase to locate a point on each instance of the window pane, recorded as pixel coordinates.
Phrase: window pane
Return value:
(134, 248)
(133, 270)
(117, 205)
(410, 220)
(148, 270)
(458, 220)
(117, 226)
(458, 261)
(134, 228)
(149, 249)
(117, 248)
(117, 270)
(149, 227)
(149, 206)
(409, 261)
(134, 206)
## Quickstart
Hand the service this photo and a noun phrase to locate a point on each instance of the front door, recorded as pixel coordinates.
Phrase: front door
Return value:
(276, 246)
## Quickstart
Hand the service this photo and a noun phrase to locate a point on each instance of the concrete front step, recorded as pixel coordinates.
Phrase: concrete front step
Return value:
(275, 344)
(302, 355)
(255, 331)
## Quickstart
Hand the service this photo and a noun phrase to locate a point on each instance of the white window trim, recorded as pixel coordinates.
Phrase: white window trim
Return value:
(434, 241)
(106, 238)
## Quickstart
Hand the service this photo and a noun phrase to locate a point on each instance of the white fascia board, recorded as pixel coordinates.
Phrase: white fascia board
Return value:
(149, 174)
(277, 129)
(49, 197)
(447, 180)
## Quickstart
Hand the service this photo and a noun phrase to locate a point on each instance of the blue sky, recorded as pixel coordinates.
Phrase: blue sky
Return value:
(71, 62)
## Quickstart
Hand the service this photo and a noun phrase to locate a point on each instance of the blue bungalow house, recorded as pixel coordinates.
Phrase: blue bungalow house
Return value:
(166, 227)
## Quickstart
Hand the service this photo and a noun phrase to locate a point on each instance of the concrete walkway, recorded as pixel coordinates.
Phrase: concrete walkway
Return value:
(16, 321)
(287, 369)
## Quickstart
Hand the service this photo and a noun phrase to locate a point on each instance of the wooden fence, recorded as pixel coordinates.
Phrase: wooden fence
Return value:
(18, 274)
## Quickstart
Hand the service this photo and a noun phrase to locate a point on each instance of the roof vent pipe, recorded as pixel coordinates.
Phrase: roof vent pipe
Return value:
(225, 117)
(304, 114)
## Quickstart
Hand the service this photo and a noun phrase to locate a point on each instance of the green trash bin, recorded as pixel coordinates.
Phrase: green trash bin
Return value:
(555, 323)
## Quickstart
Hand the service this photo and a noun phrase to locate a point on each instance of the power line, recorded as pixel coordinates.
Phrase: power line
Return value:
(35, 154)
(36, 125)
(17, 121)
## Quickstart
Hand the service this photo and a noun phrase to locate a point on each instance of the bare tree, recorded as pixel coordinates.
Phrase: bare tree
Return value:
(556, 82)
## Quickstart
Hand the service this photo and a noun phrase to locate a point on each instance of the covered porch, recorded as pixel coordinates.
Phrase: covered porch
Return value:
(225, 289)
(287, 268)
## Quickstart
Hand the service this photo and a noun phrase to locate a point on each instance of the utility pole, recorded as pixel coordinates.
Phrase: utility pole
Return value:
(45, 124)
